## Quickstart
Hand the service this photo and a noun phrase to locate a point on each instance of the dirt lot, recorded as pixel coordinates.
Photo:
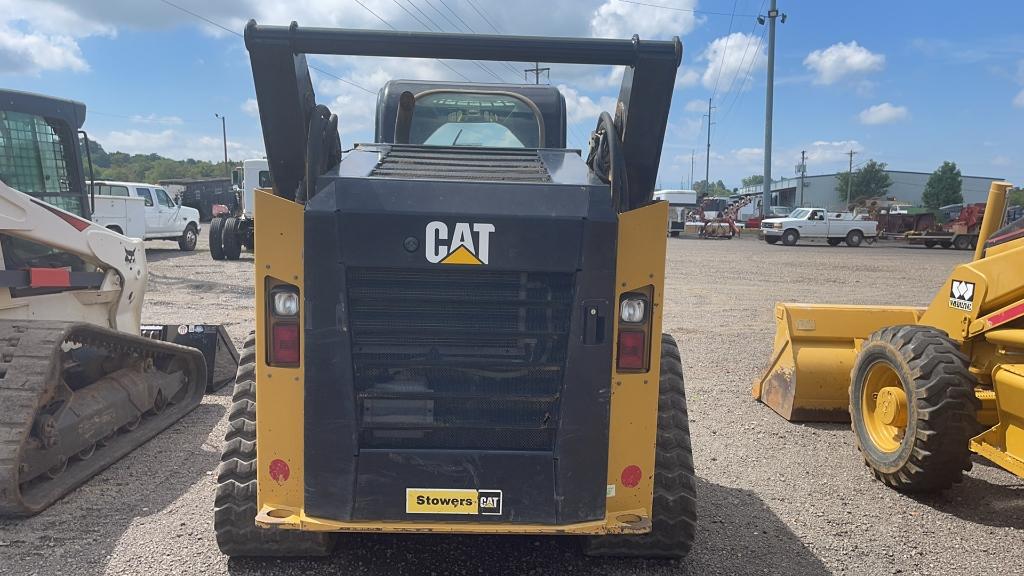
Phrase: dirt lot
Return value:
(774, 497)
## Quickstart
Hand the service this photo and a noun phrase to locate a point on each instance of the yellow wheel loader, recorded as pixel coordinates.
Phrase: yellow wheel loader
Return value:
(458, 326)
(82, 382)
(923, 388)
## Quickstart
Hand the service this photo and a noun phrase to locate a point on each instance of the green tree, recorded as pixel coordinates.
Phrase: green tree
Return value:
(717, 188)
(869, 181)
(1016, 197)
(753, 180)
(944, 187)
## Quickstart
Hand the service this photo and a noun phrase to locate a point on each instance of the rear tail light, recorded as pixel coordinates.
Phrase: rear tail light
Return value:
(283, 334)
(284, 344)
(632, 350)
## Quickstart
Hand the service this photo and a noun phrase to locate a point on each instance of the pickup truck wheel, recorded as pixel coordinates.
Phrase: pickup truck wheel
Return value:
(771, 239)
(115, 229)
(854, 238)
(232, 243)
(188, 239)
(217, 238)
(834, 241)
(789, 237)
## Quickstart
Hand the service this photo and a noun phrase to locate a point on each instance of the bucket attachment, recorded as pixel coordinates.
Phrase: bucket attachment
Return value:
(808, 379)
(210, 339)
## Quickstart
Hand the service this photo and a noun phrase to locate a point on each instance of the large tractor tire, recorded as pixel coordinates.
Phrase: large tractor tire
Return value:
(232, 241)
(674, 517)
(234, 509)
(913, 408)
(217, 238)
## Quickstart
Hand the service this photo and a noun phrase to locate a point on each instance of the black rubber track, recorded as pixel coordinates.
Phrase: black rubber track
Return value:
(674, 518)
(234, 510)
(31, 361)
(217, 238)
(942, 408)
(232, 243)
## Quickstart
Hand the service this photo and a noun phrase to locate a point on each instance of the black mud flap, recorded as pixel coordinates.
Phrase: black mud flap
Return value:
(210, 339)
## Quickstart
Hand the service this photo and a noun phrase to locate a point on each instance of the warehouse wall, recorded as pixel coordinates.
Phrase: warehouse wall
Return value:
(906, 187)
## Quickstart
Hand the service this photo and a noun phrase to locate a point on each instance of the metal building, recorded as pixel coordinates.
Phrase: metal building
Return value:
(820, 191)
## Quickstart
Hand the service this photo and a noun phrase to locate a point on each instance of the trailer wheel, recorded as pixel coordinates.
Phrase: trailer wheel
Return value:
(189, 238)
(234, 508)
(913, 408)
(790, 237)
(232, 242)
(217, 238)
(854, 238)
(945, 243)
(674, 514)
(930, 243)
(962, 242)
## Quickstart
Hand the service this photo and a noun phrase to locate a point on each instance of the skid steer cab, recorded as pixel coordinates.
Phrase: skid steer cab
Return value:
(459, 325)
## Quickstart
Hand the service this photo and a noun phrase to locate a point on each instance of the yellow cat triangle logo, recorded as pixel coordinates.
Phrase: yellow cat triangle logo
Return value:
(461, 255)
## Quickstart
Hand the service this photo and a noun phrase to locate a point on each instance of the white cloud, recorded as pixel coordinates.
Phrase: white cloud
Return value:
(154, 119)
(696, 106)
(615, 19)
(824, 151)
(884, 113)
(686, 77)
(251, 107)
(748, 155)
(34, 52)
(171, 143)
(581, 108)
(1018, 101)
(730, 60)
(1001, 161)
(841, 60)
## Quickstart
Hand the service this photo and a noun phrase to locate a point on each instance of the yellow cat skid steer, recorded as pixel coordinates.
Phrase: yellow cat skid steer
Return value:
(458, 326)
(923, 387)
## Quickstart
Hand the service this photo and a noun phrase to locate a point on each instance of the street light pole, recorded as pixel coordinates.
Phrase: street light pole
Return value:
(224, 132)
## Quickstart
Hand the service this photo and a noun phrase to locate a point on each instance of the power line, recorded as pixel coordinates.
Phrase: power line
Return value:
(745, 50)
(459, 18)
(747, 77)
(388, 24)
(728, 37)
(230, 31)
(472, 5)
(455, 26)
(690, 10)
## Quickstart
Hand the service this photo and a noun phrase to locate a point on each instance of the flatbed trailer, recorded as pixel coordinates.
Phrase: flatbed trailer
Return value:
(959, 241)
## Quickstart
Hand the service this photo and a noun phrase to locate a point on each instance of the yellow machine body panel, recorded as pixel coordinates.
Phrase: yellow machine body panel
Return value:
(980, 305)
(280, 396)
(815, 347)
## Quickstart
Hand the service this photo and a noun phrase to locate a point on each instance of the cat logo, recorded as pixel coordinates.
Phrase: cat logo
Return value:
(470, 243)
(961, 295)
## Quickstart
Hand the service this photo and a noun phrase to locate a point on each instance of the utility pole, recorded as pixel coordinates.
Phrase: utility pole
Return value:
(536, 70)
(224, 132)
(707, 157)
(849, 179)
(773, 12)
(803, 171)
(692, 152)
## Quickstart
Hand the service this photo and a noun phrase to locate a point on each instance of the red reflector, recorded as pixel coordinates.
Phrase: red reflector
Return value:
(284, 344)
(49, 278)
(631, 351)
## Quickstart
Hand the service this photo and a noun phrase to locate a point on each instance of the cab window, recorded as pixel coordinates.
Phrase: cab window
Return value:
(163, 198)
(264, 178)
(146, 195)
(493, 120)
(33, 160)
(108, 190)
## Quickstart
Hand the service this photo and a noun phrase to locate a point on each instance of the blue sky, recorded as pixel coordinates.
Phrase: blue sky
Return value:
(907, 83)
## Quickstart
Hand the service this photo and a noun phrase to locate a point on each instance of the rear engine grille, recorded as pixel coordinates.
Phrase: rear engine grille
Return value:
(435, 163)
(458, 359)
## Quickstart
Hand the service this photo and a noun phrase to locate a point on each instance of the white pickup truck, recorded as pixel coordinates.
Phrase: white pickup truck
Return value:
(144, 211)
(834, 227)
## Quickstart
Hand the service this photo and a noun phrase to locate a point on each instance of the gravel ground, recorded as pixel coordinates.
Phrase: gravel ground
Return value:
(774, 497)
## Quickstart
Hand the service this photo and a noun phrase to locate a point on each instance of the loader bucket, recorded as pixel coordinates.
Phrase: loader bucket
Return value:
(211, 339)
(808, 379)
